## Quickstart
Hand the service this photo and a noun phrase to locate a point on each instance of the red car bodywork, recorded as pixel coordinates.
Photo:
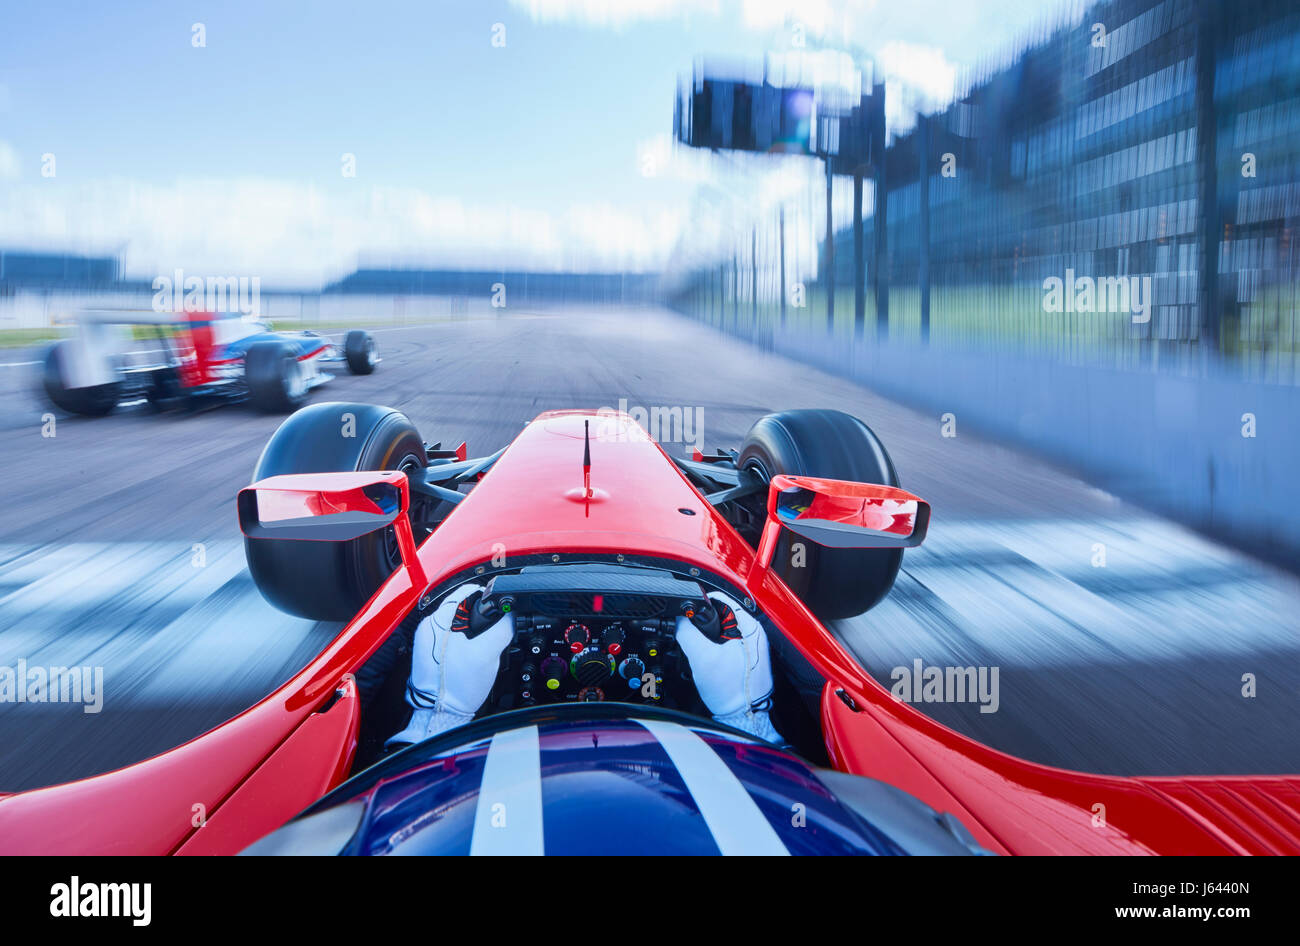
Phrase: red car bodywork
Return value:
(227, 788)
(197, 347)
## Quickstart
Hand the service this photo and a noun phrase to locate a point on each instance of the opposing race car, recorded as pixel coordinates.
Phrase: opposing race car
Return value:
(187, 359)
(602, 649)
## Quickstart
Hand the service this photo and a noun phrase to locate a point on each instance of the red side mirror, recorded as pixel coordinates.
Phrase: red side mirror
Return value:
(842, 514)
(330, 507)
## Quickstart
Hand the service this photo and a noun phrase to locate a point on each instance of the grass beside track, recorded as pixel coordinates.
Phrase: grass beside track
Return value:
(22, 337)
(25, 337)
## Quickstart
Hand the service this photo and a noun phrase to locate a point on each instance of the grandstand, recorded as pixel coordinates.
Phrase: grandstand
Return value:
(1148, 139)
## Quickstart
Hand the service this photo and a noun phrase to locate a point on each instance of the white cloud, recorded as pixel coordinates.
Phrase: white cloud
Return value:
(9, 162)
(823, 17)
(967, 31)
(611, 13)
(662, 156)
(924, 70)
(817, 16)
(297, 234)
(916, 77)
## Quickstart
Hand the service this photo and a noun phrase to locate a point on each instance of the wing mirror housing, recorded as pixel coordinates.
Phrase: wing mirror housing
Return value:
(331, 507)
(841, 514)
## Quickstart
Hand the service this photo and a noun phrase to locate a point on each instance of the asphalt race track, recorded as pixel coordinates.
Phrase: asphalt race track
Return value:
(118, 548)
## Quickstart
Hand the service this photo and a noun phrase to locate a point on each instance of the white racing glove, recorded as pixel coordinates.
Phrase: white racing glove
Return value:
(734, 677)
(451, 674)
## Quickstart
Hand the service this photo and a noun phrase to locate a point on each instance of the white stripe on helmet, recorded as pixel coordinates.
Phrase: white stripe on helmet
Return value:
(508, 819)
(738, 827)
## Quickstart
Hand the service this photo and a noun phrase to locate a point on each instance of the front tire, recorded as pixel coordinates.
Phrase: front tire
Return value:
(359, 352)
(330, 581)
(833, 583)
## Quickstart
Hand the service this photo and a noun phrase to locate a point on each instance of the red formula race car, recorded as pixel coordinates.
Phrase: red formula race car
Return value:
(589, 647)
(191, 359)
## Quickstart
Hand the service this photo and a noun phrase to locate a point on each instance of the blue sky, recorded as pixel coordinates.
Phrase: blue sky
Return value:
(552, 150)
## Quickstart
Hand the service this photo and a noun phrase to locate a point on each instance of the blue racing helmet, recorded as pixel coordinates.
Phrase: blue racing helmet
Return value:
(584, 779)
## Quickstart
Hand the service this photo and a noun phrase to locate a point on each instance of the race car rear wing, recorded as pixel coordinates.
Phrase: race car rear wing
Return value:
(164, 317)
